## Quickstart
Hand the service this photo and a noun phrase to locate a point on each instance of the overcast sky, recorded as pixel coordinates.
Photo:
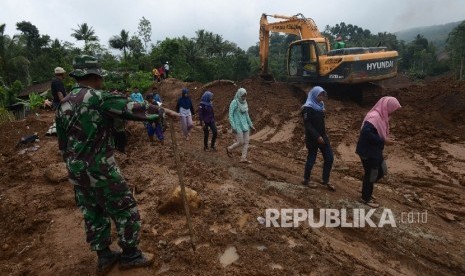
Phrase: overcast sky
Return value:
(237, 21)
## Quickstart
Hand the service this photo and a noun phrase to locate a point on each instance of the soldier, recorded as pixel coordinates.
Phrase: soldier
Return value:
(86, 121)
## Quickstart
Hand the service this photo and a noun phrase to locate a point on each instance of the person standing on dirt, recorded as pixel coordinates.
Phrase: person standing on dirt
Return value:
(167, 69)
(374, 134)
(85, 122)
(156, 75)
(207, 120)
(186, 109)
(241, 124)
(57, 87)
(154, 128)
(313, 113)
(161, 71)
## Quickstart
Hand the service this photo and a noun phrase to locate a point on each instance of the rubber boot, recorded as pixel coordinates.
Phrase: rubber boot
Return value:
(106, 260)
(133, 257)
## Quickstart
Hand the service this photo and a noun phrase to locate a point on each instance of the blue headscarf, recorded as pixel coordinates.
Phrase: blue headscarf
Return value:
(185, 102)
(312, 100)
(206, 98)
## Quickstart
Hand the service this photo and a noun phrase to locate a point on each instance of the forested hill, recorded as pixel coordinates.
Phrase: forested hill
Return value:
(436, 34)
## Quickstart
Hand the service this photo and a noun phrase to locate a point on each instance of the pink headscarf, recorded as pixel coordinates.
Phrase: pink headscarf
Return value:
(379, 115)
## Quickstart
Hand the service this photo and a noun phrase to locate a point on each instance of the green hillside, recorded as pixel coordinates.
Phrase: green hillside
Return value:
(437, 34)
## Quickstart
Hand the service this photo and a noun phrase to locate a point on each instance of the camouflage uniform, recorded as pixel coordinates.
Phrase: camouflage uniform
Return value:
(85, 122)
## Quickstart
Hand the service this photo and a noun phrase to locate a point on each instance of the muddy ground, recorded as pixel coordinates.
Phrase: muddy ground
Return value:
(42, 231)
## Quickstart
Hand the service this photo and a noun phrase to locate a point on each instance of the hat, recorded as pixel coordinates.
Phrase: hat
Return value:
(338, 38)
(85, 65)
(59, 70)
(167, 62)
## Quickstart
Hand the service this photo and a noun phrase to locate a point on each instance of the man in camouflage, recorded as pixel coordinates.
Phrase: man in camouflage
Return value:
(87, 123)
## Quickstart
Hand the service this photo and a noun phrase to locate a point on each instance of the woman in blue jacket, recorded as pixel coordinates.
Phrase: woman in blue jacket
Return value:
(313, 113)
(374, 134)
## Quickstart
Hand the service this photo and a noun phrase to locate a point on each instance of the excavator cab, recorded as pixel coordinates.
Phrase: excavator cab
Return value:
(303, 61)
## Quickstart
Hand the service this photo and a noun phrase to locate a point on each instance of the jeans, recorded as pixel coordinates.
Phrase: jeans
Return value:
(212, 126)
(157, 130)
(373, 173)
(311, 158)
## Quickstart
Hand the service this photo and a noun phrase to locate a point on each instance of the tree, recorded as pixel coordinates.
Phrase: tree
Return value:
(456, 48)
(86, 33)
(121, 42)
(145, 31)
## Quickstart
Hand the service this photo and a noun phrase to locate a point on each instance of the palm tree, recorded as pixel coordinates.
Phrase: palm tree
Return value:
(120, 42)
(86, 33)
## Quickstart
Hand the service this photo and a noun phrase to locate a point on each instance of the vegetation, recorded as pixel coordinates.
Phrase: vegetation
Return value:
(456, 50)
(29, 57)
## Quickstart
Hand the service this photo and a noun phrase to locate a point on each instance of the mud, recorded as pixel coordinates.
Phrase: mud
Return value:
(42, 231)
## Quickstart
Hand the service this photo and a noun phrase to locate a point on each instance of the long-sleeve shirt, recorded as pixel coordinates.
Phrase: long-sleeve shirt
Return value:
(85, 124)
(370, 145)
(314, 122)
(206, 113)
(240, 121)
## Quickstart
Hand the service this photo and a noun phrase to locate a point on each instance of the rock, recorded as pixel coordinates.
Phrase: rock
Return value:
(56, 172)
(173, 201)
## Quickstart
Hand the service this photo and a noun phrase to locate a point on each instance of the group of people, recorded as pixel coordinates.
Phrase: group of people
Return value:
(89, 123)
(161, 72)
(239, 118)
(374, 135)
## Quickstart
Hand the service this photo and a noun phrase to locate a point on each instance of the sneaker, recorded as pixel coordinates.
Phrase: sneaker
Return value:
(106, 262)
(205, 149)
(229, 152)
(213, 149)
(138, 259)
(308, 184)
(331, 187)
(245, 161)
(370, 203)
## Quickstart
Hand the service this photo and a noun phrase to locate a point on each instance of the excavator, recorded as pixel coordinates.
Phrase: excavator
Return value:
(310, 60)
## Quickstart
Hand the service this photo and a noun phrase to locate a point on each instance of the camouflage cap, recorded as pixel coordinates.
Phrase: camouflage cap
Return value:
(85, 65)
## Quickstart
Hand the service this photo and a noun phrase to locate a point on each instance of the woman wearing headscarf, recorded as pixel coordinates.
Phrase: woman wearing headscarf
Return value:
(374, 134)
(313, 113)
(186, 109)
(207, 119)
(240, 123)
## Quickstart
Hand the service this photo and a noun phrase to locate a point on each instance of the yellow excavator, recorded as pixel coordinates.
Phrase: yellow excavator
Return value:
(311, 60)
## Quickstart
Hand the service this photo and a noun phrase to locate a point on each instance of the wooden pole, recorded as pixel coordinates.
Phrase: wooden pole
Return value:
(181, 182)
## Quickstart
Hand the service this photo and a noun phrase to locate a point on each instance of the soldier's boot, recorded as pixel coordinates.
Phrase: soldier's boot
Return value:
(133, 257)
(106, 260)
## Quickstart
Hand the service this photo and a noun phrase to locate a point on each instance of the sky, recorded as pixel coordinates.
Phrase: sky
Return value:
(236, 21)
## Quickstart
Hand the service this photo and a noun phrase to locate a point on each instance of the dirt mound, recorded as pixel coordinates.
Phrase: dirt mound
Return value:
(42, 232)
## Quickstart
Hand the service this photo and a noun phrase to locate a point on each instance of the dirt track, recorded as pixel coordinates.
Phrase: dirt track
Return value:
(42, 231)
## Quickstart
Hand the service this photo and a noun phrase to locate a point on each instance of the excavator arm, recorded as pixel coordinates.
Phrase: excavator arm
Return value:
(298, 25)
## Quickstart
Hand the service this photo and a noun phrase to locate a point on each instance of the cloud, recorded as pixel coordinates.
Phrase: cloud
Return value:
(237, 21)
